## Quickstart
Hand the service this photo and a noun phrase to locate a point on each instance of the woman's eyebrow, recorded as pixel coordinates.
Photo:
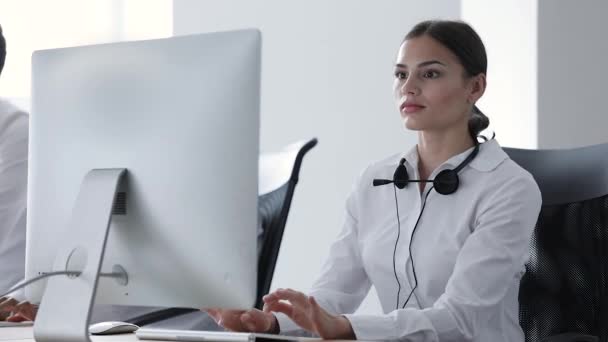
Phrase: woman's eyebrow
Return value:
(425, 63)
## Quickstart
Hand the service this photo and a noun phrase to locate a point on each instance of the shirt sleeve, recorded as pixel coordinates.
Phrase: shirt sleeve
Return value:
(13, 193)
(491, 257)
(343, 282)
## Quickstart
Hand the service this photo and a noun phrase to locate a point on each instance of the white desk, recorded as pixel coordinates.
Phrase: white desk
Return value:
(25, 334)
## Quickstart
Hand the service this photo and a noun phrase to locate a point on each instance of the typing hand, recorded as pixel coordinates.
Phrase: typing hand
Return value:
(6, 307)
(13, 311)
(306, 312)
(249, 321)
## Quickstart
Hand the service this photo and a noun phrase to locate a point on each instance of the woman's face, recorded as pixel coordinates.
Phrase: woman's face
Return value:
(430, 87)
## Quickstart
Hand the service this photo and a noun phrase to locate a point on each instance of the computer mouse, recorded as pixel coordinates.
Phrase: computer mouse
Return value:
(114, 327)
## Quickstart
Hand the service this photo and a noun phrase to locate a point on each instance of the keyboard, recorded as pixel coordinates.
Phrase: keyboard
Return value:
(199, 335)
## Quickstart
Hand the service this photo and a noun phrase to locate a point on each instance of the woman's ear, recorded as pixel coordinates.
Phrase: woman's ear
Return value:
(478, 87)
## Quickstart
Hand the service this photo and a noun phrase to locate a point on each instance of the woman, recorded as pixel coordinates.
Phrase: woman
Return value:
(456, 278)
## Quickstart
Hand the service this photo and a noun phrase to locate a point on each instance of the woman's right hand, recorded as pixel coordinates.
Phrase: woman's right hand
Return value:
(245, 321)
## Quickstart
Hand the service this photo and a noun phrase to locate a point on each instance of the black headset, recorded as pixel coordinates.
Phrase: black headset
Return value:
(445, 183)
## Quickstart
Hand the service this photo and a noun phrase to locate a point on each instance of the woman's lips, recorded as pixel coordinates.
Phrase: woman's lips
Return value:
(411, 108)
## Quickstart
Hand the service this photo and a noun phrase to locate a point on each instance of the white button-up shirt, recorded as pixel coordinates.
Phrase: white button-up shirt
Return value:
(13, 193)
(469, 252)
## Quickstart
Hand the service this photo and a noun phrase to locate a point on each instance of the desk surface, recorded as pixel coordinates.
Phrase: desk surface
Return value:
(25, 334)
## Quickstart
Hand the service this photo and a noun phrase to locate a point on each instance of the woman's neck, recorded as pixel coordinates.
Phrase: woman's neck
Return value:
(434, 148)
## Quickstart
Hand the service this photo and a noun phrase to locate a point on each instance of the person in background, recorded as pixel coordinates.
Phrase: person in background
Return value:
(13, 197)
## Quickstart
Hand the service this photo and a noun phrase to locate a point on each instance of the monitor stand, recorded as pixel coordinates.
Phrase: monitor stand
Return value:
(65, 309)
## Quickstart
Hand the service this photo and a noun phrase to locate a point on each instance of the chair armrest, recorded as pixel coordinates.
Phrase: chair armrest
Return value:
(571, 337)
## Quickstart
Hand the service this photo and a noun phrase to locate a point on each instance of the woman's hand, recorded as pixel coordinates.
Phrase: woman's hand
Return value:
(240, 320)
(308, 314)
(6, 307)
(12, 311)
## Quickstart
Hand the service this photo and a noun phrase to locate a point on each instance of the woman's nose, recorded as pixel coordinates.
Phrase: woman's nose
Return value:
(410, 87)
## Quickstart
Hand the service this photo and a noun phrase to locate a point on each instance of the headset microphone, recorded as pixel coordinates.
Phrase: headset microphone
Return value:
(400, 177)
(382, 182)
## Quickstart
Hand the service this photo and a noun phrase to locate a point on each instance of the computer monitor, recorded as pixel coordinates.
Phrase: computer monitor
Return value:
(181, 115)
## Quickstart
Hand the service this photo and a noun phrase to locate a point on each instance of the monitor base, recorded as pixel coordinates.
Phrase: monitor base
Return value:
(66, 305)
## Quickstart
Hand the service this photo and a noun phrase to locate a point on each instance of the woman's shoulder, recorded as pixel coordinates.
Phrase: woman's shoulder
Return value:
(494, 161)
(506, 176)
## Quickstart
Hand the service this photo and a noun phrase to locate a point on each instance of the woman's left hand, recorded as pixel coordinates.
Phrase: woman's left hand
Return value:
(306, 312)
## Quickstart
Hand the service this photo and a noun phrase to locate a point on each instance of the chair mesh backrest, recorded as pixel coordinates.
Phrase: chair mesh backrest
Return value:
(273, 209)
(270, 207)
(564, 288)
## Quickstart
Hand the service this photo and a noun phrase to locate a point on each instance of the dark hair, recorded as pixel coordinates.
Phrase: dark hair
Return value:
(465, 43)
(2, 50)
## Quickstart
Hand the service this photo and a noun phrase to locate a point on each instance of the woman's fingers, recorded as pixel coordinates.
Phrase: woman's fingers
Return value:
(283, 300)
(254, 322)
(270, 300)
(264, 320)
(24, 311)
(7, 304)
(5, 310)
(292, 303)
(18, 318)
(294, 297)
(257, 321)
(229, 319)
(281, 307)
(271, 297)
(248, 322)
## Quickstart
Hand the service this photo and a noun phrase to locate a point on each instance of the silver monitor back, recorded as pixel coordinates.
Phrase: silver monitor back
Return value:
(182, 115)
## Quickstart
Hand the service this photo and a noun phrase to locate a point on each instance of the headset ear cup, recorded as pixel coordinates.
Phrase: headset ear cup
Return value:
(446, 182)
(401, 178)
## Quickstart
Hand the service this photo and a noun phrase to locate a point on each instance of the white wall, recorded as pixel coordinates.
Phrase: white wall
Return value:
(572, 73)
(546, 72)
(30, 25)
(509, 32)
(327, 72)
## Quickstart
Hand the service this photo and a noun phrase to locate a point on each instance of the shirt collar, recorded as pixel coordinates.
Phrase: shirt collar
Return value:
(489, 157)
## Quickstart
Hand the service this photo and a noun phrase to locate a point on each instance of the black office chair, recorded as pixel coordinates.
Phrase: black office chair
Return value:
(563, 295)
(278, 175)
